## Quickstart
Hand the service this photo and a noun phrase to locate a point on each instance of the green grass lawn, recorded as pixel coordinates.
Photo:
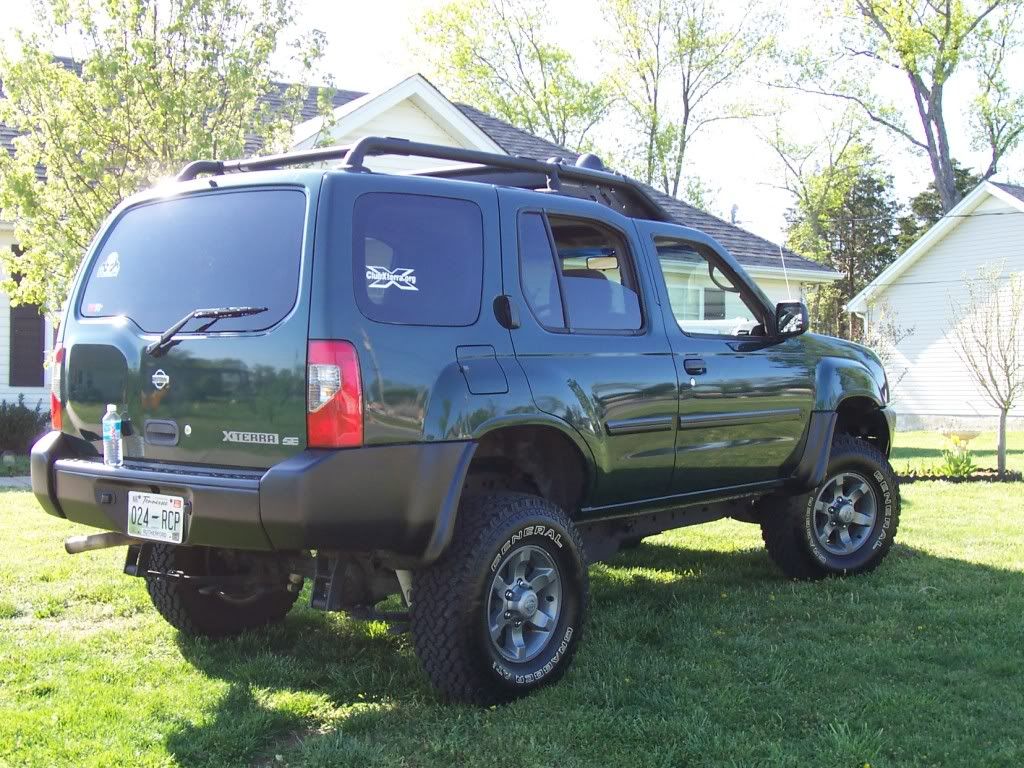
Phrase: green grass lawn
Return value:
(697, 652)
(915, 450)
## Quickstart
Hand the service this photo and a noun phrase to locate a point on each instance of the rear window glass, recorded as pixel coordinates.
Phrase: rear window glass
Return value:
(416, 259)
(224, 249)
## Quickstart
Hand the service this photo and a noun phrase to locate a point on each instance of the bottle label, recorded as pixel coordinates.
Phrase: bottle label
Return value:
(111, 430)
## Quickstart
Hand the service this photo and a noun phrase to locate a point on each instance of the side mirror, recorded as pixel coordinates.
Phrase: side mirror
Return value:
(791, 319)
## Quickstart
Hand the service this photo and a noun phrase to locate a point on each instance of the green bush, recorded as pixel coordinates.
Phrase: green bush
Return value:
(21, 425)
(957, 461)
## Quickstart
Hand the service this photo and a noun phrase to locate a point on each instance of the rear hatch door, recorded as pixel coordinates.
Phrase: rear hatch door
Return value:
(228, 393)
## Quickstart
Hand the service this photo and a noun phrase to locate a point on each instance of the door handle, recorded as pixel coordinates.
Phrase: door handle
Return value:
(694, 366)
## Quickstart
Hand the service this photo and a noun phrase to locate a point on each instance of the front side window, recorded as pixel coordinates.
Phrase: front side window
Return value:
(704, 301)
(582, 266)
(417, 259)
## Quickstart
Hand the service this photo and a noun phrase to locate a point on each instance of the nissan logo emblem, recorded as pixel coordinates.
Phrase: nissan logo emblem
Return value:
(160, 379)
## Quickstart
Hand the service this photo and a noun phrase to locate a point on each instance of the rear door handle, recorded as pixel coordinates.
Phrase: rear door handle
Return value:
(694, 366)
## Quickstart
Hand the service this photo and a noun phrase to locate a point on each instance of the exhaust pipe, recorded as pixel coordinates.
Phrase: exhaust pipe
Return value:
(77, 544)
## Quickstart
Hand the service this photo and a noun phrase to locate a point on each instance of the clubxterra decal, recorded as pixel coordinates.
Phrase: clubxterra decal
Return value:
(382, 277)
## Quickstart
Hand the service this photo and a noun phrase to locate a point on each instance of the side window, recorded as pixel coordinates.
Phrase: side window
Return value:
(703, 300)
(416, 259)
(597, 276)
(537, 271)
(589, 274)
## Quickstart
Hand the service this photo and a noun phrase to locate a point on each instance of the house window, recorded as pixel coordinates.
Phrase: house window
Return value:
(714, 304)
(27, 344)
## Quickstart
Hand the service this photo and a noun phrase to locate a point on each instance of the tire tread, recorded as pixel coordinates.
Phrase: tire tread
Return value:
(440, 589)
(782, 521)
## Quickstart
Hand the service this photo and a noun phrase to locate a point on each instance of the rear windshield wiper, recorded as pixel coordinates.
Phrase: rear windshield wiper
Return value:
(161, 344)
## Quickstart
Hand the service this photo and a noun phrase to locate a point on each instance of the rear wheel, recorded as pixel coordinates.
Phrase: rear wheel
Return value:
(844, 526)
(210, 612)
(500, 613)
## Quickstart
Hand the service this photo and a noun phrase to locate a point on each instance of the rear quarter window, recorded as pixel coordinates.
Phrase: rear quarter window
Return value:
(417, 259)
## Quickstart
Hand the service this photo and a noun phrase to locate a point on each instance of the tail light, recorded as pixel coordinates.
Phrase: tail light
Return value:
(334, 396)
(56, 376)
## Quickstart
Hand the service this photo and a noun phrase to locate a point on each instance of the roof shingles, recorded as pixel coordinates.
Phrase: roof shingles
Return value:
(748, 248)
(1013, 189)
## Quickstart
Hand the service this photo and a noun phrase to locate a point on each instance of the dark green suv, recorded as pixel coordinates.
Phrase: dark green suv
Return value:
(460, 387)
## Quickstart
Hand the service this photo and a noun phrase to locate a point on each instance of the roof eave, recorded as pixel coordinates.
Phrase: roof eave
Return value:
(794, 273)
(859, 303)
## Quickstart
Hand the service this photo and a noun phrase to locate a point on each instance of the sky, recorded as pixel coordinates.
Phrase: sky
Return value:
(372, 45)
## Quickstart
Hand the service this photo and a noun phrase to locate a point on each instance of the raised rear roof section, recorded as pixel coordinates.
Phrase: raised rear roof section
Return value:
(586, 179)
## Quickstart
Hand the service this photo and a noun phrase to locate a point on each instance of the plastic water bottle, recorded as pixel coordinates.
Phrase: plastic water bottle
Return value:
(112, 437)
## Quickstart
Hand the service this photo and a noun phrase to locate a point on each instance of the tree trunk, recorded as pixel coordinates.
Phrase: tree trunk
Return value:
(1002, 444)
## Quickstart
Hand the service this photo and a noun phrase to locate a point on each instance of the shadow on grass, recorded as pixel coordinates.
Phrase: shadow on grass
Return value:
(930, 646)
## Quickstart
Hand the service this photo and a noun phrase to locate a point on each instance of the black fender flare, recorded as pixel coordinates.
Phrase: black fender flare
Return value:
(813, 463)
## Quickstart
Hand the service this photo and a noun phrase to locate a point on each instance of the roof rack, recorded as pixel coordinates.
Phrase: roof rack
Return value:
(588, 172)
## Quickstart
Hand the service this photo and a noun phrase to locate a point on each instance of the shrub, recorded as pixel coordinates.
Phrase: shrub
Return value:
(21, 425)
(957, 461)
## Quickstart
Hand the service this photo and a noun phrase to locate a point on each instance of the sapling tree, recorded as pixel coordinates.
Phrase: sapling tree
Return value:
(987, 326)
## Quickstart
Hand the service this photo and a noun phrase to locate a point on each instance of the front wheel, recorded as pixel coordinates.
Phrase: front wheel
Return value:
(844, 526)
(500, 613)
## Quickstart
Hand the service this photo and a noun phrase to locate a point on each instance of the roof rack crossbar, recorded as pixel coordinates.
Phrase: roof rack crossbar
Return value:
(374, 146)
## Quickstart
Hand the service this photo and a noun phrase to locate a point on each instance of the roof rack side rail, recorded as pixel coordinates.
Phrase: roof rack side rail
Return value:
(196, 167)
(266, 162)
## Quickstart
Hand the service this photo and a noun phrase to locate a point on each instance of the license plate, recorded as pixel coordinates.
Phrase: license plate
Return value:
(155, 516)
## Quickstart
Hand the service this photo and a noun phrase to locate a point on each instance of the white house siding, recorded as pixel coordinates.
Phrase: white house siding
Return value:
(407, 120)
(32, 395)
(778, 291)
(936, 387)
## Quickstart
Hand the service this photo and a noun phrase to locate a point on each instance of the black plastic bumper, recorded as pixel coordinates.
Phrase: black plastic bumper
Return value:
(395, 499)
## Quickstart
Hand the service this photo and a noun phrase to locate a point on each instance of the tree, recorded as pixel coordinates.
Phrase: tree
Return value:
(844, 217)
(988, 330)
(494, 55)
(926, 42)
(676, 61)
(925, 208)
(998, 117)
(884, 335)
(160, 84)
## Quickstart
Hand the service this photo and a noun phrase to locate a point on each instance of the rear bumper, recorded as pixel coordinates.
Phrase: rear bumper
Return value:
(398, 499)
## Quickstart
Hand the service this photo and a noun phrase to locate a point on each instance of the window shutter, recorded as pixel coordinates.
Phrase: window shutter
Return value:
(27, 345)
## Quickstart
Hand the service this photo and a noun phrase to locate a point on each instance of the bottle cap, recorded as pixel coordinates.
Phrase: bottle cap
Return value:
(111, 408)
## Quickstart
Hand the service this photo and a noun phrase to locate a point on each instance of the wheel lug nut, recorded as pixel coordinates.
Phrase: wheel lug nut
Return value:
(508, 594)
(517, 623)
(508, 614)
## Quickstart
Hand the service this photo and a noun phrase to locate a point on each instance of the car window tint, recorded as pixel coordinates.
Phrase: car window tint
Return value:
(417, 259)
(161, 260)
(597, 276)
(702, 305)
(537, 265)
